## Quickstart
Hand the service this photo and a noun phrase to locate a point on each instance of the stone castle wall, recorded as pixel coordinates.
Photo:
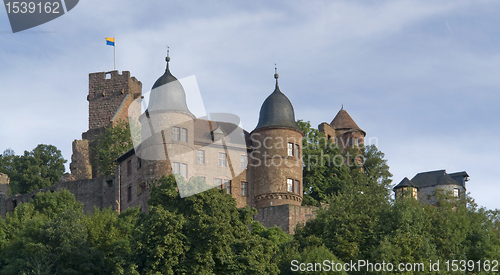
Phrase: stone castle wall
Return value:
(286, 216)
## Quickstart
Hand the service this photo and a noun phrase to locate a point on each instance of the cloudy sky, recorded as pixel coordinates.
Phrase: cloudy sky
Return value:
(420, 77)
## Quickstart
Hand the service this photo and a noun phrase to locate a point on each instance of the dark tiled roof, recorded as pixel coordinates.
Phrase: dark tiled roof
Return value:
(168, 94)
(439, 177)
(203, 132)
(343, 121)
(404, 183)
(277, 111)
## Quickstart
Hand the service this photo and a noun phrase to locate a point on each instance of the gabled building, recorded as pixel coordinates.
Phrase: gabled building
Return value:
(424, 185)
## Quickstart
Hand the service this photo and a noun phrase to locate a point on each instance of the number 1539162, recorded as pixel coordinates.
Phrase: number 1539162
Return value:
(32, 7)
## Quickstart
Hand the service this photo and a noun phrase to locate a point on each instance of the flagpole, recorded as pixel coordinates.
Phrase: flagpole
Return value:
(114, 54)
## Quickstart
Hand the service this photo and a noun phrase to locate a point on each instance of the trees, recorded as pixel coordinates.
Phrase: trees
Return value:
(115, 141)
(201, 234)
(37, 169)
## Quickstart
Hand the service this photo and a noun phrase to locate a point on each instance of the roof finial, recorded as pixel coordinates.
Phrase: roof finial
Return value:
(276, 73)
(342, 107)
(168, 56)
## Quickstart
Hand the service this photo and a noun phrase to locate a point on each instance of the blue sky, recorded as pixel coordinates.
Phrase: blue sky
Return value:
(420, 77)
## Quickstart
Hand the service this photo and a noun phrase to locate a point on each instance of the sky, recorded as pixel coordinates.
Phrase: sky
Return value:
(420, 77)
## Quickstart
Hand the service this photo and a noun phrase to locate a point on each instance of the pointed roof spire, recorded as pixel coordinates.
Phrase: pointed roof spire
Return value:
(342, 107)
(168, 57)
(276, 74)
(343, 121)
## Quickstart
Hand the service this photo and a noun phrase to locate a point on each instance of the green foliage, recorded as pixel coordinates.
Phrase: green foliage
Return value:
(40, 168)
(46, 236)
(110, 233)
(313, 261)
(114, 142)
(328, 170)
(201, 234)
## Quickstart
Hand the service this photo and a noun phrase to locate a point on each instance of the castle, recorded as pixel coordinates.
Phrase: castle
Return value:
(261, 168)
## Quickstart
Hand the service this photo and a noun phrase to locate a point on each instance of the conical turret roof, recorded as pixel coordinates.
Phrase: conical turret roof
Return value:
(167, 94)
(343, 121)
(277, 111)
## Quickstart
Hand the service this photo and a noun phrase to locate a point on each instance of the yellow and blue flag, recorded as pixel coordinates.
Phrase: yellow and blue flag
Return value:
(110, 41)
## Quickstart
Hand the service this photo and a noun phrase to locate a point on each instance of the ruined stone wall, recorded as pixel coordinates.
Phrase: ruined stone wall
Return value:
(4, 184)
(286, 217)
(91, 193)
(106, 95)
(80, 160)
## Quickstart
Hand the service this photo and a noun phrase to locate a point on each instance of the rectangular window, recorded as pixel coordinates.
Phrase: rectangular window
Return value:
(297, 150)
(222, 160)
(296, 186)
(289, 183)
(129, 167)
(356, 141)
(176, 168)
(176, 133)
(139, 163)
(456, 193)
(243, 160)
(129, 193)
(184, 170)
(350, 141)
(290, 149)
(218, 183)
(244, 188)
(184, 135)
(227, 186)
(200, 157)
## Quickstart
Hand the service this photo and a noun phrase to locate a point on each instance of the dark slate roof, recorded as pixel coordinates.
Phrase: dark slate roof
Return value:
(404, 183)
(460, 177)
(168, 94)
(343, 121)
(277, 111)
(432, 178)
(204, 130)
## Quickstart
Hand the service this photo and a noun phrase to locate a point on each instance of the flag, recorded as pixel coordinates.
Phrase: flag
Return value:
(110, 41)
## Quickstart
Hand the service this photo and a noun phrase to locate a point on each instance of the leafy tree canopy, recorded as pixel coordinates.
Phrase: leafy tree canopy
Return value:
(115, 141)
(40, 168)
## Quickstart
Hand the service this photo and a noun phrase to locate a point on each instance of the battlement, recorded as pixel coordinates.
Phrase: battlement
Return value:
(107, 90)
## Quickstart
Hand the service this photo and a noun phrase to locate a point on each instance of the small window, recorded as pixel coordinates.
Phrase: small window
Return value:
(218, 183)
(227, 186)
(140, 186)
(129, 193)
(456, 193)
(139, 163)
(184, 135)
(184, 170)
(356, 141)
(129, 167)
(176, 167)
(222, 159)
(176, 133)
(14, 203)
(200, 157)
(296, 186)
(297, 150)
(329, 137)
(350, 141)
(289, 185)
(290, 149)
(204, 179)
(243, 160)
(244, 188)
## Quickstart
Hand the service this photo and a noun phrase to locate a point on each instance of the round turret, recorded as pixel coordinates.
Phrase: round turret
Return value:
(277, 154)
(277, 111)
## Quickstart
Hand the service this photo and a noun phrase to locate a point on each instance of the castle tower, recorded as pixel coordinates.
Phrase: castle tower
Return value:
(277, 153)
(167, 130)
(110, 95)
(343, 131)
